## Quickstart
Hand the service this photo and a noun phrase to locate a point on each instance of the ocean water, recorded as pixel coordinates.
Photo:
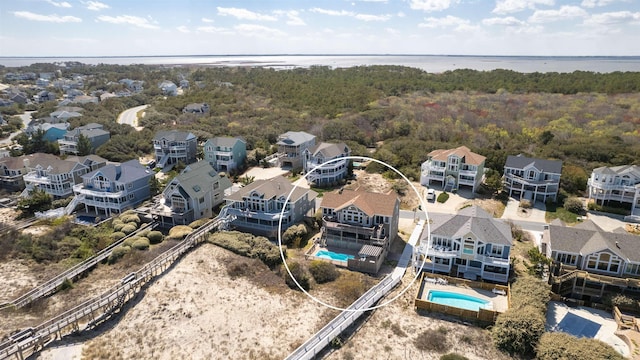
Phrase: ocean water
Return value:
(429, 63)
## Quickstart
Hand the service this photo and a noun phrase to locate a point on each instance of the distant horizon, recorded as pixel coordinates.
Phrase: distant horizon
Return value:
(310, 54)
(124, 28)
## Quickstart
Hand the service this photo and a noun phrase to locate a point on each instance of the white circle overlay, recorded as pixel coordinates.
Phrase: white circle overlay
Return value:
(409, 265)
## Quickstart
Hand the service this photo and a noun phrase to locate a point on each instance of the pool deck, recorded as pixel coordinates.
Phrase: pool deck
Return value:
(500, 302)
(556, 311)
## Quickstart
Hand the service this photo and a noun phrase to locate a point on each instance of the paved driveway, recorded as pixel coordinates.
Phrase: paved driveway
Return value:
(130, 116)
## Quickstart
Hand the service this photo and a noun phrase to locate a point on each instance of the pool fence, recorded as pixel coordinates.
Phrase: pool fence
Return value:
(482, 315)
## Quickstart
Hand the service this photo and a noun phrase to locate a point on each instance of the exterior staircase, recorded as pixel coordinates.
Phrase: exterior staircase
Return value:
(163, 161)
(72, 205)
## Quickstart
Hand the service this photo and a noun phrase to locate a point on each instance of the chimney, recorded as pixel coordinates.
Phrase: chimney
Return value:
(26, 162)
(617, 245)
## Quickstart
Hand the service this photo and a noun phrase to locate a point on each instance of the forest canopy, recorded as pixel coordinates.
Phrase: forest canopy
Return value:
(585, 119)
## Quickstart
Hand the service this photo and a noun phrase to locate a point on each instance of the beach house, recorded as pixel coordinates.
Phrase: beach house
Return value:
(452, 168)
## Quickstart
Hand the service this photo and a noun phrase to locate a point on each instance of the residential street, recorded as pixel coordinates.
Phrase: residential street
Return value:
(26, 118)
(130, 116)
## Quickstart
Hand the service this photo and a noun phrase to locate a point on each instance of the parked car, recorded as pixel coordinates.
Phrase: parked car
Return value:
(431, 195)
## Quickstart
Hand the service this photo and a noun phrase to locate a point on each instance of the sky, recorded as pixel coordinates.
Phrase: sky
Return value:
(241, 27)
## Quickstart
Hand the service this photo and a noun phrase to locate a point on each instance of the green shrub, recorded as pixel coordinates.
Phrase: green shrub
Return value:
(141, 243)
(117, 235)
(609, 209)
(453, 356)
(196, 224)
(558, 345)
(430, 340)
(117, 253)
(525, 204)
(443, 197)
(130, 218)
(179, 232)
(530, 291)
(299, 272)
(129, 228)
(294, 234)
(144, 233)
(518, 330)
(155, 237)
(66, 285)
(248, 245)
(574, 205)
(129, 241)
(117, 225)
(323, 271)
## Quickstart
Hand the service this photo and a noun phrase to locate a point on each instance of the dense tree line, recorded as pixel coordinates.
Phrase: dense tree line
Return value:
(585, 119)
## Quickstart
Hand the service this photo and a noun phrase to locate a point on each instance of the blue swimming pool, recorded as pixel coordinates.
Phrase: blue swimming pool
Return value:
(326, 254)
(457, 300)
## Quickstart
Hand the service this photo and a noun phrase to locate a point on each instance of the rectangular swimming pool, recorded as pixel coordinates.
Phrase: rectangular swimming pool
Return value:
(458, 300)
(326, 254)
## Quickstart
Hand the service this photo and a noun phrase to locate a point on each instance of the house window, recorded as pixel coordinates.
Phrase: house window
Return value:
(633, 269)
(130, 186)
(496, 250)
(131, 196)
(603, 262)
(216, 185)
(468, 246)
(567, 259)
(201, 200)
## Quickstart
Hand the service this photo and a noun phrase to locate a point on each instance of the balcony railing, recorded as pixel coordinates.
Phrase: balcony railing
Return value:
(523, 180)
(375, 235)
(602, 186)
(270, 216)
(82, 189)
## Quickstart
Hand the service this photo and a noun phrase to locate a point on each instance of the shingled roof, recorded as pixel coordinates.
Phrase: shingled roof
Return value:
(462, 152)
(587, 238)
(520, 162)
(329, 150)
(369, 202)
(272, 189)
(174, 135)
(477, 221)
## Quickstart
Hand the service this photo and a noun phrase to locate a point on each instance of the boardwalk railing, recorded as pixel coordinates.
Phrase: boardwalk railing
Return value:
(98, 309)
(52, 285)
(335, 327)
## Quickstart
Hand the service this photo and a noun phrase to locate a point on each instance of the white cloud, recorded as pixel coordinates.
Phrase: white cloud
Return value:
(62, 4)
(363, 17)
(183, 29)
(293, 17)
(511, 6)
(448, 21)
(506, 21)
(430, 5)
(366, 17)
(594, 3)
(47, 18)
(613, 18)
(206, 20)
(258, 31)
(564, 13)
(400, 14)
(392, 31)
(244, 14)
(128, 19)
(332, 12)
(96, 5)
(213, 30)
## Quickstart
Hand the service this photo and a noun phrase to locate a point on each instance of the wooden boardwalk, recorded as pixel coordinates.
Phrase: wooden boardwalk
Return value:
(95, 311)
(52, 285)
